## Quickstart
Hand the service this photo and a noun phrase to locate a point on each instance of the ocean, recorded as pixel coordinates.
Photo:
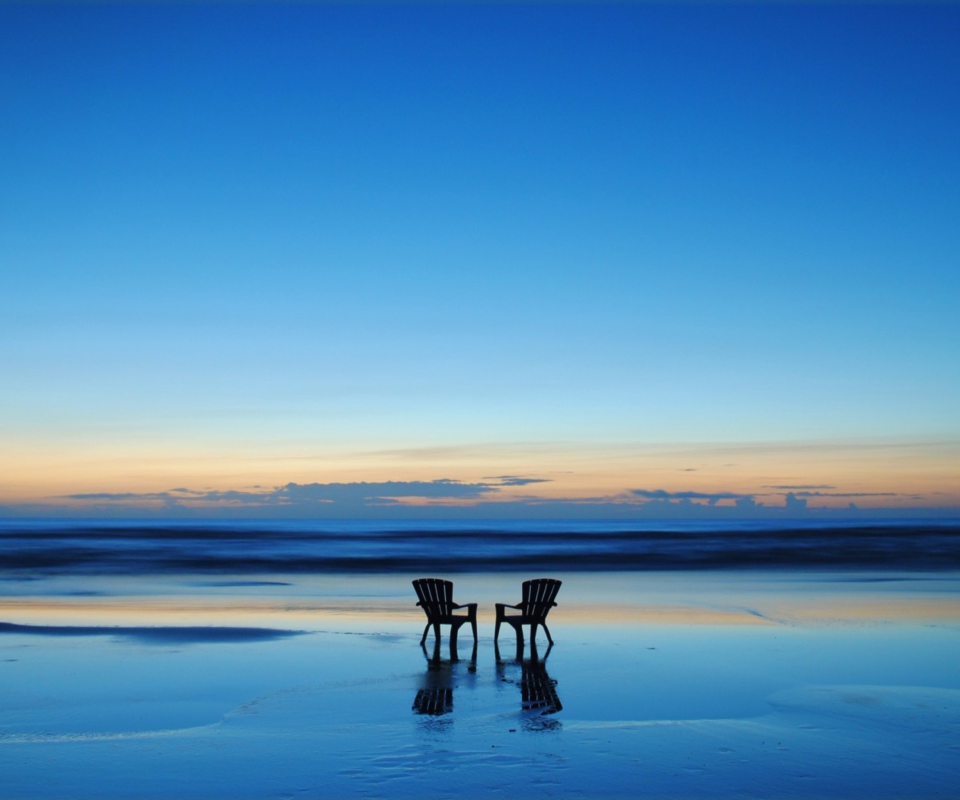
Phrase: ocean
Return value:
(45, 547)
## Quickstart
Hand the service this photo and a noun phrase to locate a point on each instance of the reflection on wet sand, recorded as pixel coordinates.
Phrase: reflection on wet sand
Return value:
(538, 691)
(435, 696)
(165, 635)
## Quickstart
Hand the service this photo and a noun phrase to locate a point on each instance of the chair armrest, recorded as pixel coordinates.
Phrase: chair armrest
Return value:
(507, 605)
(464, 605)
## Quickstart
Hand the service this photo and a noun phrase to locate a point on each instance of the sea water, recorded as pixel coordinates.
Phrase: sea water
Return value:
(143, 546)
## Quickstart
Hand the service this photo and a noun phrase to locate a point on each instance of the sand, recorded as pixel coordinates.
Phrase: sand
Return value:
(660, 685)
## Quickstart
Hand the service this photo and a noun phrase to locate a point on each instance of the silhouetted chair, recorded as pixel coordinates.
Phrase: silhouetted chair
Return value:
(436, 600)
(538, 598)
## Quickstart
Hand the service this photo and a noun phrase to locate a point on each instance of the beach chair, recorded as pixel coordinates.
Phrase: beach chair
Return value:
(538, 598)
(436, 599)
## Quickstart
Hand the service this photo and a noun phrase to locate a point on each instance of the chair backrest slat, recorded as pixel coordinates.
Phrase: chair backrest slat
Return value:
(435, 595)
(539, 596)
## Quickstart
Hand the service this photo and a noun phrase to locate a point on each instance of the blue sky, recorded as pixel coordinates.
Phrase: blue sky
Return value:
(254, 245)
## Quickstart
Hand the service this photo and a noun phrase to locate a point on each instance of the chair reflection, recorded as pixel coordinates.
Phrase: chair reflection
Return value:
(435, 696)
(538, 691)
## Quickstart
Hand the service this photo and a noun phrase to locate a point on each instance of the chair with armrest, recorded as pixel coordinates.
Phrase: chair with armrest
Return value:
(436, 599)
(539, 597)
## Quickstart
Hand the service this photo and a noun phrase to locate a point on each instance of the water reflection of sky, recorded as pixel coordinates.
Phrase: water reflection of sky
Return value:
(356, 697)
(608, 673)
(313, 602)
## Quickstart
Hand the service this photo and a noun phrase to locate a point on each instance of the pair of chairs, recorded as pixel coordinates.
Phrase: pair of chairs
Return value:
(436, 599)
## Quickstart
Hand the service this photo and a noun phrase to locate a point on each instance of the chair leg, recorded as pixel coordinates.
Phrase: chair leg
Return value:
(454, 629)
(496, 632)
(533, 634)
(436, 630)
(546, 630)
(426, 628)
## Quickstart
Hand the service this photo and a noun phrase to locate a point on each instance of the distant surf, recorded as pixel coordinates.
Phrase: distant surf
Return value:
(135, 547)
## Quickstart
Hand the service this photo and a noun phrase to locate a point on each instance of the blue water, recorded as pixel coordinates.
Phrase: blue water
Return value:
(41, 547)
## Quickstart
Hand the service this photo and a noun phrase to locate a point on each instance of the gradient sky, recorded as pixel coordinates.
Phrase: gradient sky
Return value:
(499, 254)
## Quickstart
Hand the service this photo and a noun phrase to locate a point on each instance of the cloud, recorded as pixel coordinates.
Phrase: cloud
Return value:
(793, 503)
(122, 496)
(361, 493)
(846, 494)
(365, 493)
(789, 487)
(514, 480)
(711, 497)
(489, 497)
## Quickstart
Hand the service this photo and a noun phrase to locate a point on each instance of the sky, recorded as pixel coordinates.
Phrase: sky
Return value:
(626, 259)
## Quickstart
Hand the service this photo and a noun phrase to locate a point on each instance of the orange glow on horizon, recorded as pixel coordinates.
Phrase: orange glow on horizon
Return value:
(871, 474)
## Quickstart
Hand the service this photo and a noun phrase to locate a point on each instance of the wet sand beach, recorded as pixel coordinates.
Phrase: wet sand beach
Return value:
(675, 684)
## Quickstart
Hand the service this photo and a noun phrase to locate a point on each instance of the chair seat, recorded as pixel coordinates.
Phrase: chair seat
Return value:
(520, 619)
(449, 619)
